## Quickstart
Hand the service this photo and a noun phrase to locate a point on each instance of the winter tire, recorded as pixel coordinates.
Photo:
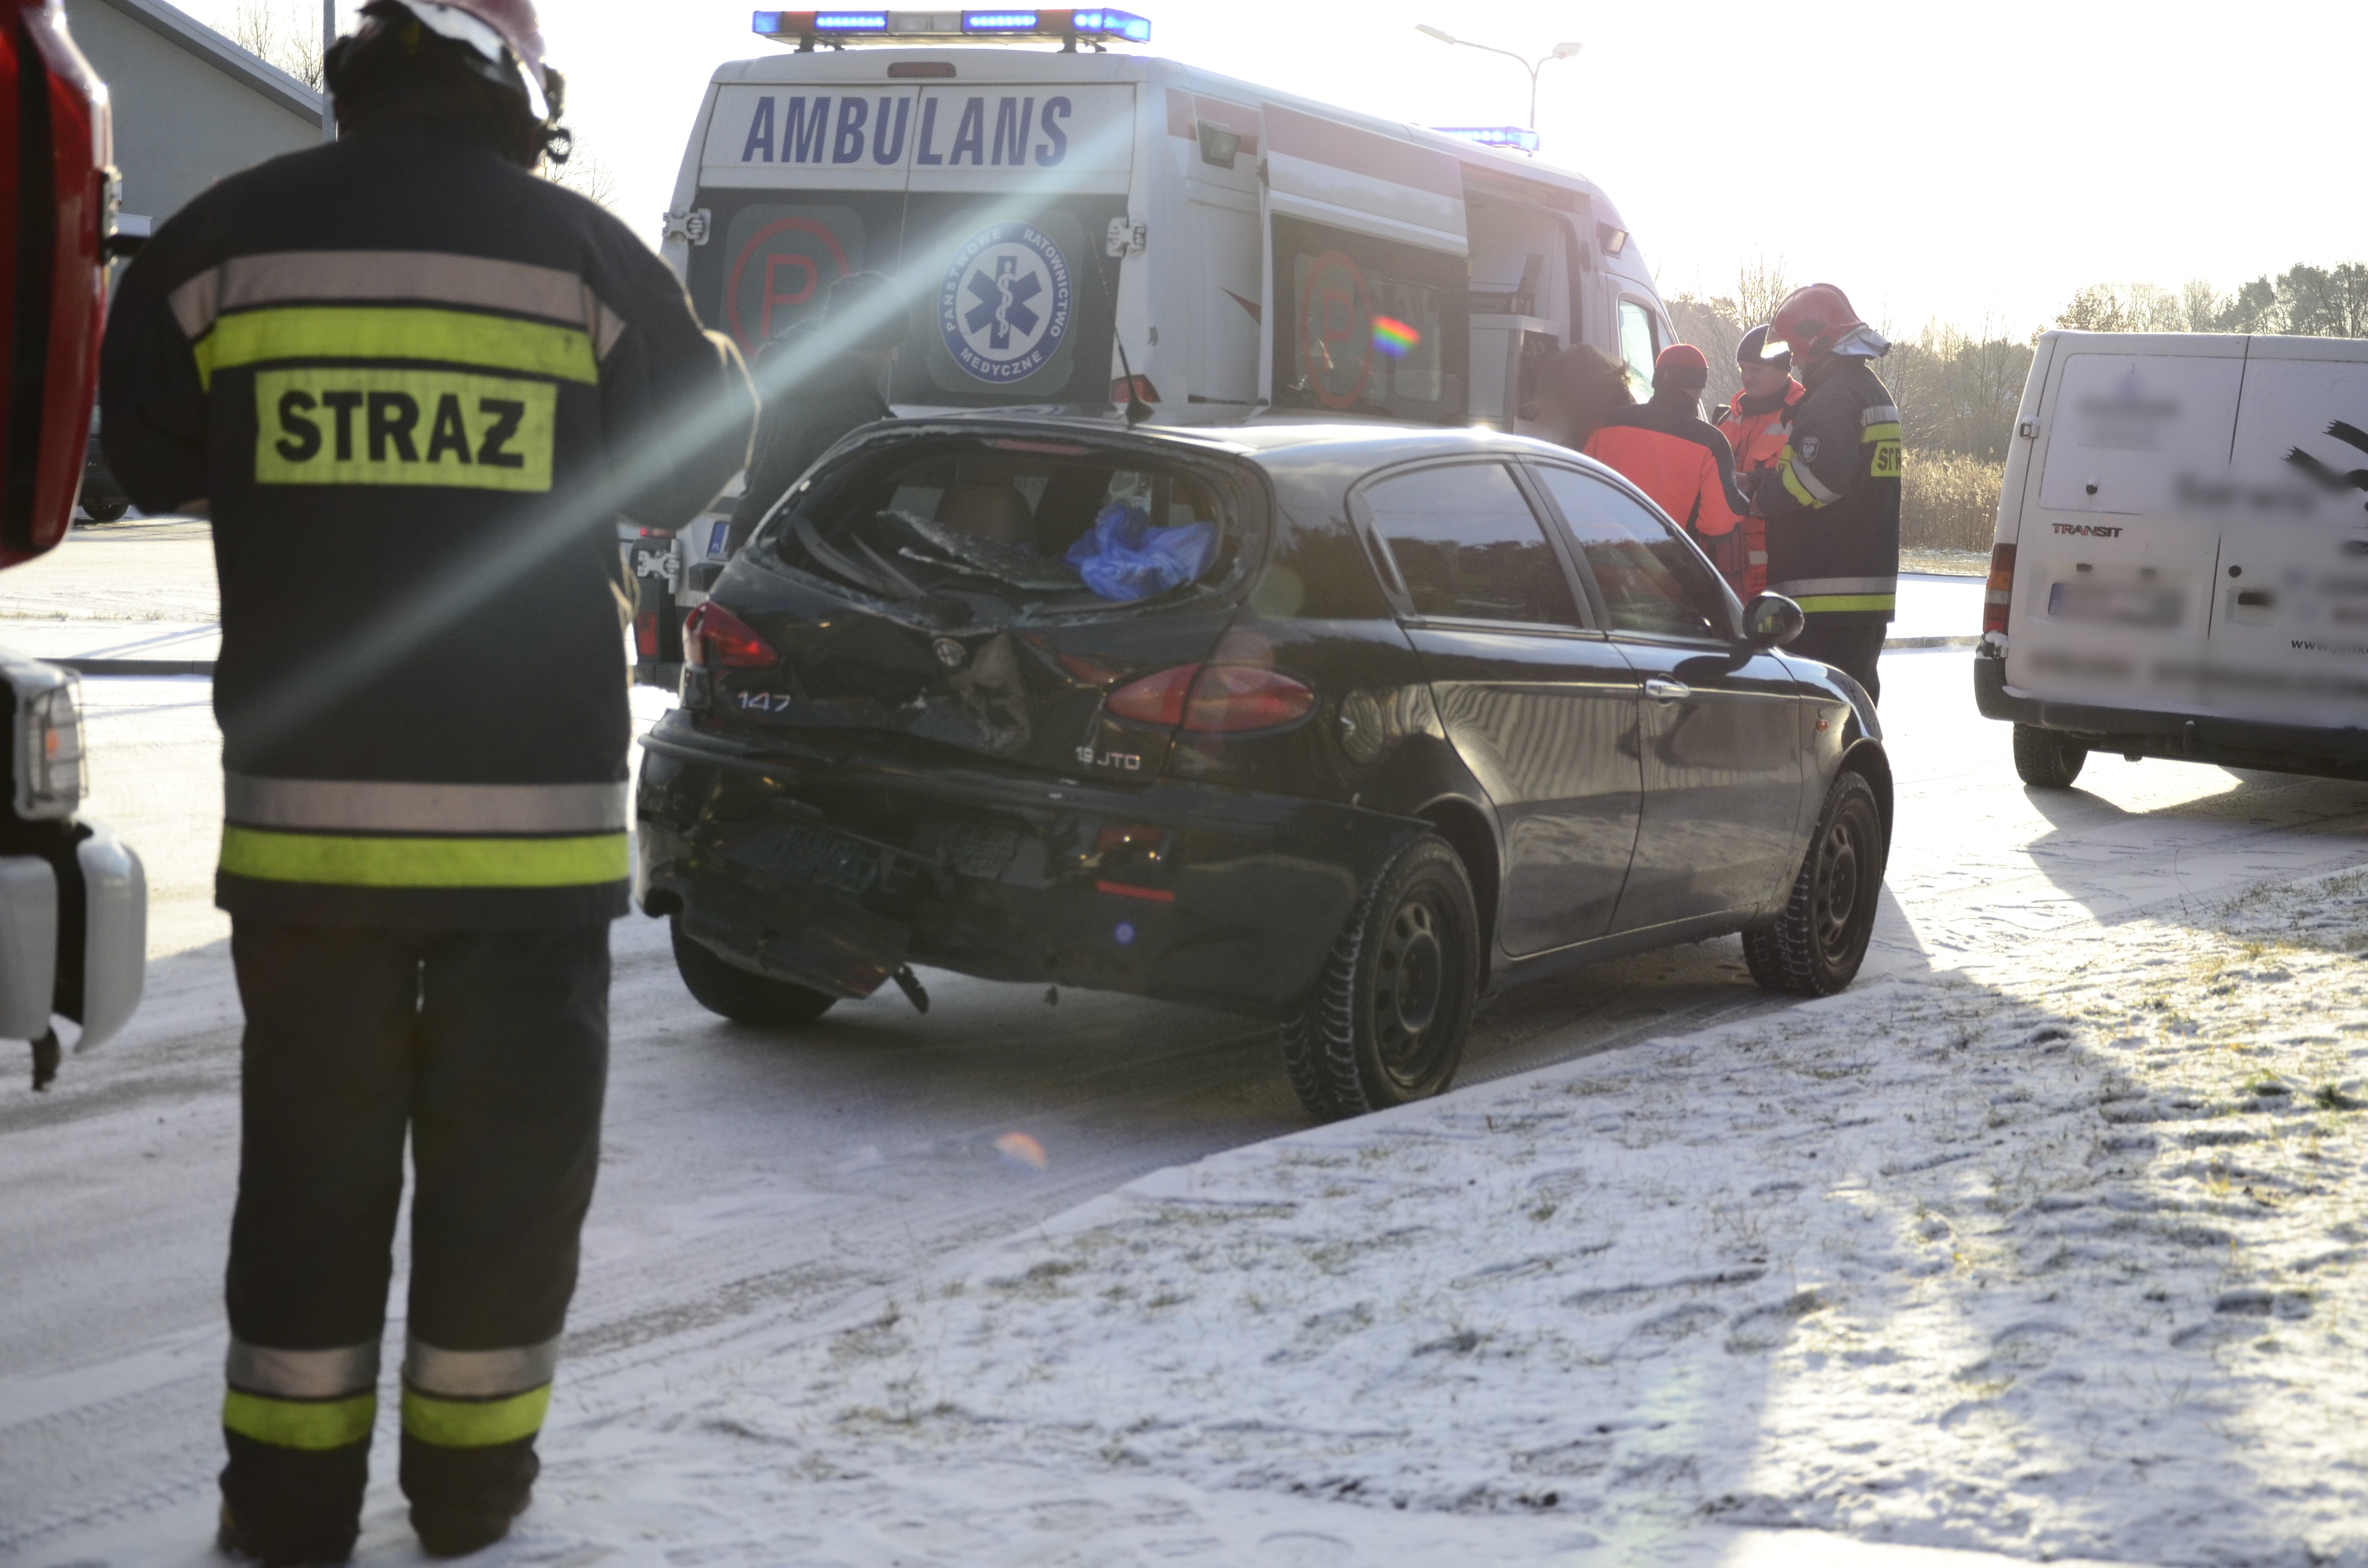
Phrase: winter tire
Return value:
(1816, 945)
(104, 511)
(2046, 758)
(742, 997)
(1387, 1021)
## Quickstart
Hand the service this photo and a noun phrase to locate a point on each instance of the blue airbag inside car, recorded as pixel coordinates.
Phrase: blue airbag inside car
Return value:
(1124, 557)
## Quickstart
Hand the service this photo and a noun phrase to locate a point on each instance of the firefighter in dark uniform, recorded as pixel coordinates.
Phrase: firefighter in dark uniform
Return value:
(1832, 504)
(418, 387)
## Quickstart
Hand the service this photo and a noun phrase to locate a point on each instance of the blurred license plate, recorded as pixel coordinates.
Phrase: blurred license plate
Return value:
(2114, 603)
(813, 855)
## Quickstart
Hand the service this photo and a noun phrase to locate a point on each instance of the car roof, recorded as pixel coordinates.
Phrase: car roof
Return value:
(1278, 444)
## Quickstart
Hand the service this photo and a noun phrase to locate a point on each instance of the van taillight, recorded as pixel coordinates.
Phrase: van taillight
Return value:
(712, 636)
(1143, 390)
(1214, 700)
(2001, 589)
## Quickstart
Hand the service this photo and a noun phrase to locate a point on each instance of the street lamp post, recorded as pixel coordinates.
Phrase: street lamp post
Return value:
(1561, 51)
(328, 40)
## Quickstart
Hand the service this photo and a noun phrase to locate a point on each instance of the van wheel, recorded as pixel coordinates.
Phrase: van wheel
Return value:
(105, 511)
(1816, 945)
(742, 997)
(1388, 1019)
(2047, 759)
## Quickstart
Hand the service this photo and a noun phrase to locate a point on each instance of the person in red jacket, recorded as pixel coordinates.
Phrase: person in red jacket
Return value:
(1667, 450)
(1757, 425)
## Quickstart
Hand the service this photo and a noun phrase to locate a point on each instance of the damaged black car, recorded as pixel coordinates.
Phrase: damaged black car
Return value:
(1339, 726)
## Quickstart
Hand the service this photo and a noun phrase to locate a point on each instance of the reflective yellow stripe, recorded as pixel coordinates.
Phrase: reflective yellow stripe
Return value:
(312, 1424)
(474, 1424)
(395, 332)
(1793, 488)
(425, 862)
(1830, 603)
(1879, 433)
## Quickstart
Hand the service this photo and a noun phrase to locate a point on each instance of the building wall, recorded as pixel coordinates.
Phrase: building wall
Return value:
(182, 120)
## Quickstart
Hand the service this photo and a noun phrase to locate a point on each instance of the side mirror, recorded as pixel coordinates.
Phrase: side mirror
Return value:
(1770, 620)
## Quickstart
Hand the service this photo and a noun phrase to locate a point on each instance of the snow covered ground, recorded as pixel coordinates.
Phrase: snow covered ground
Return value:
(2056, 1258)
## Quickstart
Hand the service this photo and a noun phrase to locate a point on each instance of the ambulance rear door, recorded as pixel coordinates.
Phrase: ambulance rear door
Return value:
(2118, 538)
(1014, 192)
(2289, 639)
(801, 184)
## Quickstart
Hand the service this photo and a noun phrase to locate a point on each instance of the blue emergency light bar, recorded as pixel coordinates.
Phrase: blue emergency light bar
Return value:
(1092, 26)
(1511, 137)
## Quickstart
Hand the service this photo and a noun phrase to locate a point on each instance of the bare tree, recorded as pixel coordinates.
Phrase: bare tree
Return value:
(587, 173)
(286, 33)
(1717, 325)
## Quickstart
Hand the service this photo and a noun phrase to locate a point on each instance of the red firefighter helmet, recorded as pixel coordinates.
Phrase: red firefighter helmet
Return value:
(1814, 320)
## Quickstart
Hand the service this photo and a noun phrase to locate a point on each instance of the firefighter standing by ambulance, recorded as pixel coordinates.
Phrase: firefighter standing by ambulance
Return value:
(1832, 504)
(1757, 425)
(418, 387)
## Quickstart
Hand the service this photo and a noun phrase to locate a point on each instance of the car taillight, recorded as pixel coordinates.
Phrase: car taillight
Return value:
(713, 636)
(1155, 700)
(1213, 698)
(2000, 595)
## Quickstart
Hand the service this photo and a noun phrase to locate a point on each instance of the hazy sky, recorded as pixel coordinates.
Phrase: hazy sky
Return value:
(1959, 160)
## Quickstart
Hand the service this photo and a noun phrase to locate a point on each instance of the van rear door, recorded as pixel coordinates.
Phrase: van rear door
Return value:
(2289, 639)
(2113, 573)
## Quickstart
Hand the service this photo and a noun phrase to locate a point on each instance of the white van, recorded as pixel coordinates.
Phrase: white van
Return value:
(1063, 220)
(2181, 561)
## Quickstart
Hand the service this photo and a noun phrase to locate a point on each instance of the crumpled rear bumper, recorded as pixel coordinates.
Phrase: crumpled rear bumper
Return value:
(831, 871)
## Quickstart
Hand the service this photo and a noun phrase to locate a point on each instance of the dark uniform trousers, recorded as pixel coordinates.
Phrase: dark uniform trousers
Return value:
(487, 1050)
(1851, 643)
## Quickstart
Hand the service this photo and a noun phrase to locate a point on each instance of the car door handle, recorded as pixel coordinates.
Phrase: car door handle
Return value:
(1662, 690)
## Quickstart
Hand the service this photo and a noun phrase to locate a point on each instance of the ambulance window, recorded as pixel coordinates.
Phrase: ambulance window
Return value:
(783, 257)
(1373, 326)
(1637, 346)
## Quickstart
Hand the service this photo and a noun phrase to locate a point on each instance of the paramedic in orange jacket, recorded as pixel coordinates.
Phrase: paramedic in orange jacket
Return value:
(1667, 450)
(1757, 425)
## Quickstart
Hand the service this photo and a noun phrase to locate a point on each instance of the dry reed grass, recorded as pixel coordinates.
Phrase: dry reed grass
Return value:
(1948, 501)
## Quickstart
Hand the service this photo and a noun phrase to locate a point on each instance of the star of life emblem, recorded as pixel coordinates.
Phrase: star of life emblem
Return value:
(1006, 304)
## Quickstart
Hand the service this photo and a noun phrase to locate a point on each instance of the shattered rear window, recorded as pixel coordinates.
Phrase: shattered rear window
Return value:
(1036, 528)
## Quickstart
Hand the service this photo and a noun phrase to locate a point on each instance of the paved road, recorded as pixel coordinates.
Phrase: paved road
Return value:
(751, 1175)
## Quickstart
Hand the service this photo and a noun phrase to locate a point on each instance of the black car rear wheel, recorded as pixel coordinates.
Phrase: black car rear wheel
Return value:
(104, 511)
(1387, 1022)
(1816, 945)
(2047, 759)
(742, 997)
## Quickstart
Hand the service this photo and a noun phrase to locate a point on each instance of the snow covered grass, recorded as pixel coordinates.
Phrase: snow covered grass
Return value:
(2055, 1258)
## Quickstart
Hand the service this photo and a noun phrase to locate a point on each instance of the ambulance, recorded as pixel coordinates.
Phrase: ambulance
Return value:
(1082, 228)
(2180, 567)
